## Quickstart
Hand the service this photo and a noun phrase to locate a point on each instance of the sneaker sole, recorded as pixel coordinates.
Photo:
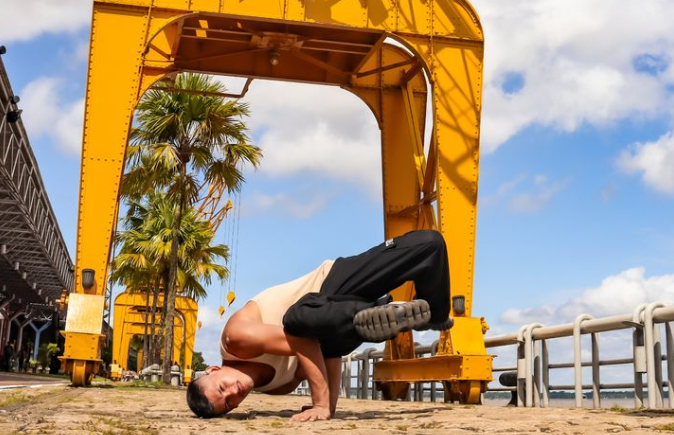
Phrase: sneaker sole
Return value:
(385, 322)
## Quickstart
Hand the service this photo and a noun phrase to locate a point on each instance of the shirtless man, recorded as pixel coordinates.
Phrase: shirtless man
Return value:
(300, 330)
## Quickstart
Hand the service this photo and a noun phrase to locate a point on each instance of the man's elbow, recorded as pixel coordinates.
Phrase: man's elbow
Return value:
(241, 343)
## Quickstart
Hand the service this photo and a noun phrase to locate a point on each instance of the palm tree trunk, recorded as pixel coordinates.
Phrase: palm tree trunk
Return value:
(145, 335)
(153, 342)
(171, 289)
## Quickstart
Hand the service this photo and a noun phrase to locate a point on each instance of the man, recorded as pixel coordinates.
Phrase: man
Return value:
(8, 356)
(21, 357)
(300, 330)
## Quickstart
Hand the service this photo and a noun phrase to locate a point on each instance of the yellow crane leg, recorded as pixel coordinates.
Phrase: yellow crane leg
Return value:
(117, 44)
(134, 42)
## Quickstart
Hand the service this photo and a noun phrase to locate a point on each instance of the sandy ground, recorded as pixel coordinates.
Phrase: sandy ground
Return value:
(113, 410)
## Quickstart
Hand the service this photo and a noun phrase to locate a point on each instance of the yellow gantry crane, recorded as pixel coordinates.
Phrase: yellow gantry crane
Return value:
(393, 54)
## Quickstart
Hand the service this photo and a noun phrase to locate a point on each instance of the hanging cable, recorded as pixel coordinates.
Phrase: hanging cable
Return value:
(237, 222)
(225, 230)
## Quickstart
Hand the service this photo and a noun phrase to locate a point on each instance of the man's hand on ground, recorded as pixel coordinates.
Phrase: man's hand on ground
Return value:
(333, 412)
(312, 414)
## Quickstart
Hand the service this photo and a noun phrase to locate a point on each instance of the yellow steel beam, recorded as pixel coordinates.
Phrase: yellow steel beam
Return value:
(130, 320)
(415, 137)
(134, 43)
(445, 367)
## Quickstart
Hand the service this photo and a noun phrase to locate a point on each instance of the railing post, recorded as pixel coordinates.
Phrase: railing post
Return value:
(639, 352)
(342, 387)
(375, 393)
(365, 381)
(530, 399)
(654, 397)
(537, 374)
(577, 361)
(521, 367)
(670, 363)
(347, 376)
(546, 373)
(434, 350)
(596, 382)
(657, 356)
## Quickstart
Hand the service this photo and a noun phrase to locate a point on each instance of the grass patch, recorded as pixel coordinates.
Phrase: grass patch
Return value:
(13, 399)
(119, 427)
(28, 396)
(665, 427)
(431, 425)
(137, 385)
(402, 427)
(616, 408)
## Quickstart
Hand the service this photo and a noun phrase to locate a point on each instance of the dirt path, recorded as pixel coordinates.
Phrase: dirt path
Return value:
(130, 411)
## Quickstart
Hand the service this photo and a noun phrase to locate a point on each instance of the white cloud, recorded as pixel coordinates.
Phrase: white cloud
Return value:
(209, 316)
(502, 191)
(654, 161)
(315, 130)
(528, 315)
(617, 294)
(539, 198)
(208, 336)
(46, 113)
(24, 20)
(285, 204)
(537, 195)
(577, 61)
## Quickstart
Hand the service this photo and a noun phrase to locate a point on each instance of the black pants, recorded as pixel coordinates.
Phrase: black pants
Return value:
(355, 283)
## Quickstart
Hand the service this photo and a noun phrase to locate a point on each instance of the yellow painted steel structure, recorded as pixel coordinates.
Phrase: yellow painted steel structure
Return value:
(437, 54)
(130, 321)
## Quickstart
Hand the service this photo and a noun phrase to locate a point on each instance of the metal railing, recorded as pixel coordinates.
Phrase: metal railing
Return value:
(534, 366)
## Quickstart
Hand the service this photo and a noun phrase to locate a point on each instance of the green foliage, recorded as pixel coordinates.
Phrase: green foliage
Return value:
(183, 145)
(45, 352)
(144, 256)
(198, 363)
(669, 427)
(201, 134)
(53, 349)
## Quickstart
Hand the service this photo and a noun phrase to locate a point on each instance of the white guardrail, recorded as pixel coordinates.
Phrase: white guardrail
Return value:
(533, 362)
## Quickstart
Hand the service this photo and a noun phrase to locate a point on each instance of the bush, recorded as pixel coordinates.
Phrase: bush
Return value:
(45, 352)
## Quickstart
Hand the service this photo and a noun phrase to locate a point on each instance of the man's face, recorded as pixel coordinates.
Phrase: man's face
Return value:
(225, 388)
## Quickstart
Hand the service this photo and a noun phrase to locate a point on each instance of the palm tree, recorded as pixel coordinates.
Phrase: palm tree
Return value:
(136, 269)
(143, 260)
(187, 136)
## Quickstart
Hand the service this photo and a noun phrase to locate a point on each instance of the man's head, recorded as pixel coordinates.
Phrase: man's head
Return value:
(218, 392)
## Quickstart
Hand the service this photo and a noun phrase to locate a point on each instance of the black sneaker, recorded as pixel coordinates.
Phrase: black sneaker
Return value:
(382, 323)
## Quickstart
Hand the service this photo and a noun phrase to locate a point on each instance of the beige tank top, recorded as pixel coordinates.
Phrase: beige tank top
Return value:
(273, 304)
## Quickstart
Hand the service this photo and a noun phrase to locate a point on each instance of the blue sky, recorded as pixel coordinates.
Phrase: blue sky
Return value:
(577, 167)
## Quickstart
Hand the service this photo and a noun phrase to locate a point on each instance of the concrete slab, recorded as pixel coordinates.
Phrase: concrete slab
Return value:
(19, 380)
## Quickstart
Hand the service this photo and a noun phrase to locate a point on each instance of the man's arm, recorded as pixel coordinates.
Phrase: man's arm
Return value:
(310, 358)
(246, 338)
(334, 368)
